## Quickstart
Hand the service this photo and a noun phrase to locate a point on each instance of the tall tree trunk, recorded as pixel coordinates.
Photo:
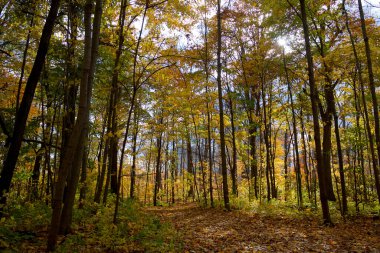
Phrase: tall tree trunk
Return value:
(249, 96)
(134, 154)
(208, 144)
(190, 169)
(99, 154)
(71, 86)
(10, 160)
(106, 186)
(305, 160)
(201, 161)
(234, 150)
(221, 113)
(314, 105)
(74, 152)
(364, 102)
(267, 130)
(148, 169)
(36, 174)
(135, 88)
(83, 176)
(372, 88)
(295, 134)
(83, 127)
(114, 101)
(103, 171)
(286, 154)
(173, 170)
(157, 181)
(340, 161)
(209, 153)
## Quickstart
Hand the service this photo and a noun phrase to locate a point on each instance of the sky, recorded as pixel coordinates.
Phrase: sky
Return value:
(372, 9)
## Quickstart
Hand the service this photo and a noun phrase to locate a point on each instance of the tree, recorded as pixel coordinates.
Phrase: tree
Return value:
(314, 105)
(61, 217)
(10, 161)
(372, 88)
(221, 113)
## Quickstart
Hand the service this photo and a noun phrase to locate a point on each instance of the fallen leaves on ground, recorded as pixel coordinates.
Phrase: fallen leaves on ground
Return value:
(215, 230)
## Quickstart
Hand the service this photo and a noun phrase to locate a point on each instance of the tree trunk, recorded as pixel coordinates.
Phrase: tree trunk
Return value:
(305, 160)
(134, 154)
(267, 129)
(314, 105)
(286, 153)
(221, 113)
(157, 181)
(234, 151)
(135, 88)
(340, 161)
(74, 152)
(148, 170)
(295, 134)
(71, 86)
(190, 170)
(36, 174)
(83, 176)
(372, 88)
(357, 104)
(103, 171)
(10, 160)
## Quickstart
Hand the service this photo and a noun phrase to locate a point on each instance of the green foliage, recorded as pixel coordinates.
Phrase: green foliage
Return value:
(92, 229)
(159, 237)
(25, 220)
(135, 230)
(240, 203)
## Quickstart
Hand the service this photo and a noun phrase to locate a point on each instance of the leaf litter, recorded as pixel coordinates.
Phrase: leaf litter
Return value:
(216, 230)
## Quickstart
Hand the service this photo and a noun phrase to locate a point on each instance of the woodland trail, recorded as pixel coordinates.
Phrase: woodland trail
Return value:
(215, 230)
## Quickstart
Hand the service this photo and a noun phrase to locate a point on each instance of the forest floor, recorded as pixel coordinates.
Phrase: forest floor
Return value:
(215, 230)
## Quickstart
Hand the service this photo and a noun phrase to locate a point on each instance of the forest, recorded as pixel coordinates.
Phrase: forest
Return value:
(189, 126)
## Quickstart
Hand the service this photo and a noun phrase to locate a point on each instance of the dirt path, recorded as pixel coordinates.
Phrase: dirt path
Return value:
(214, 230)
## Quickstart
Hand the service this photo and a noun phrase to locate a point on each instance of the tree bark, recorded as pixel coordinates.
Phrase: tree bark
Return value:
(221, 113)
(157, 181)
(134, 154)
(10, 160)
(295, 134)
(62, 214)
(372, 88)
(314, 106)
(234, 150)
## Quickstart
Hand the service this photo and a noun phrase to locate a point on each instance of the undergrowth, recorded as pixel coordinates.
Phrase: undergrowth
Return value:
(26, 226)
(290, 209)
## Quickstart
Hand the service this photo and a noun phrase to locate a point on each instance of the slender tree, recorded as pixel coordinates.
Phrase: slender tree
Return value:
(10, 160)
(372, 88)
(221, 113)
(314, 106)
